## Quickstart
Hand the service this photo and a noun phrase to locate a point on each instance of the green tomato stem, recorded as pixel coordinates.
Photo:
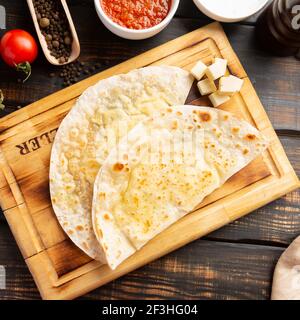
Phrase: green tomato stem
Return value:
(24, 67)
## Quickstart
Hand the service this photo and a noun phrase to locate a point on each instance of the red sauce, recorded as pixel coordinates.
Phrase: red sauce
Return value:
(136, 14)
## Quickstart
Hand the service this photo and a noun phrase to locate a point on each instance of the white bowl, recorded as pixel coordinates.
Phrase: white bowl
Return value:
(131, 33)
(234, 10)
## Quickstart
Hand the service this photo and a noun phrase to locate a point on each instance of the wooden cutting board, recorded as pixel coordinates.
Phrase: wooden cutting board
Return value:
(60, 269)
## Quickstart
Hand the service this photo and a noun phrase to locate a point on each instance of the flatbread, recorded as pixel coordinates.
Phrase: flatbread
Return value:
(103, 114)
(162, 170)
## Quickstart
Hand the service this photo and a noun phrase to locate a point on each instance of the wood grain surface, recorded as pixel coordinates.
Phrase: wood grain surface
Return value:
(234, 262)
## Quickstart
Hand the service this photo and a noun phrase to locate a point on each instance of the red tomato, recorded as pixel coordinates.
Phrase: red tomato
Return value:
(18, 46)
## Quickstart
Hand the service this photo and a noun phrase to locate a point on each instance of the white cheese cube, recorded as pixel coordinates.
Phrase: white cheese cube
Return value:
(230, 85)
(206, 87)
(217, 99)
(217, 69)
(199, 70)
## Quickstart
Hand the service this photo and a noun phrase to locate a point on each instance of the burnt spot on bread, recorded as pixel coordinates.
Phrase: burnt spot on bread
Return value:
(204, 116)
(118, 167)
(174, 125)
(106, 216)
(102, 195)
(79, 228)
(235, 130)
(250, 137)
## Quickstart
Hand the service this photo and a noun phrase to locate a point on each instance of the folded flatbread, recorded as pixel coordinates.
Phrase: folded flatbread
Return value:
(103, 114)
(162, 170)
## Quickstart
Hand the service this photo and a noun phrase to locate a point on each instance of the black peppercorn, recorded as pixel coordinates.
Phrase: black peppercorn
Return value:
(55, 28)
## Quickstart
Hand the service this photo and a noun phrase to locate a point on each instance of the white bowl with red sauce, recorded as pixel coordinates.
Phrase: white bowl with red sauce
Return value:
(131, 28)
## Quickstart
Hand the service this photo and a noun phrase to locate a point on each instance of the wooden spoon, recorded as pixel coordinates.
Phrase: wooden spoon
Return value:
(75, 45)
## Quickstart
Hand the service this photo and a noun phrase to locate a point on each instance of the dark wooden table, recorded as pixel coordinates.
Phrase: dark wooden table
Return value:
(235, 262)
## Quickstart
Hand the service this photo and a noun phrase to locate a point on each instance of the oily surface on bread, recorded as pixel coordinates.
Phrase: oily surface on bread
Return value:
(162, 170)
(103, 114)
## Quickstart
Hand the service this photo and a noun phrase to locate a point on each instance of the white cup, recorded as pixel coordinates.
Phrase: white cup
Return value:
(229, 10)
